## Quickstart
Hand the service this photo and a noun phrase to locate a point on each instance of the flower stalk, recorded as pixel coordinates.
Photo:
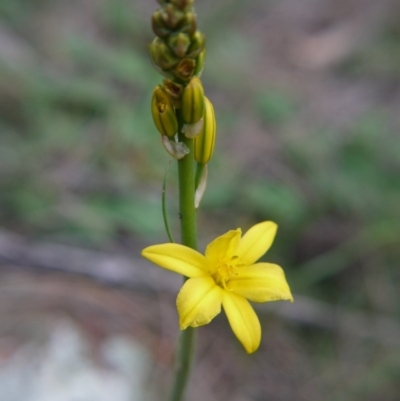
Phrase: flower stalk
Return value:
(188, 224)
(227, 276)
(177, 108)
(187, 212)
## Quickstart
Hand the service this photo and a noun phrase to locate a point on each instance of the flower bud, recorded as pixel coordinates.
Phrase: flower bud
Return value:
(185, 69)
(189, 25)
(200, 63)
(172, 16)
(204, 143)
(154, 51)
(161, 55)
(192, 106)
(158, 25)
(163, 113)
(179, 43)
(197, 45)
(155, 60)
(167, 59)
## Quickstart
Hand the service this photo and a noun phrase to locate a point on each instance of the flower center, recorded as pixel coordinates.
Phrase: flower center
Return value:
(226, 269)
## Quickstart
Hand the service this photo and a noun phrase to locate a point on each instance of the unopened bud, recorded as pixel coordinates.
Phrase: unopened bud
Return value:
(155, 60)
(154, 51)
(172, 16)
(179, 43)
(192, 106)
(205, 142)
(197, 45)
(161, 55)
(163, 113)
(189, 25)
(200, 61)
(158, 25)
(167, 59)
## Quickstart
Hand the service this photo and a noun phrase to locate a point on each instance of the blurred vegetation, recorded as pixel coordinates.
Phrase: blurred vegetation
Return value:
(81, 162)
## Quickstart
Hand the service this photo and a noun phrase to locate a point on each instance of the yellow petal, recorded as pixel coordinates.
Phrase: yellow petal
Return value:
(178, 258)
(198, 302)
(256, 242)
(261, 282)
(243, 320)
(222, 248)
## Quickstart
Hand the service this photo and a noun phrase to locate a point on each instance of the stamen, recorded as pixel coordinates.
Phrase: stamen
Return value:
(235, 257)
(226, 270)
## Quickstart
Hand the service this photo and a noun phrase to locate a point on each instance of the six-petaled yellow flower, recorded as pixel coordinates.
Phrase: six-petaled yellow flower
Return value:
(226, 275)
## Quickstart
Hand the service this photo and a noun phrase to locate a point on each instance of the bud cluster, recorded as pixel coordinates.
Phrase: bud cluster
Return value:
(178, 53)
(176, 50)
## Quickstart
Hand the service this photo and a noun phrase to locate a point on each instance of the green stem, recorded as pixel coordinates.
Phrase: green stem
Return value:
(186, 196)
(188, 238)
(164, 205)
(183, 364)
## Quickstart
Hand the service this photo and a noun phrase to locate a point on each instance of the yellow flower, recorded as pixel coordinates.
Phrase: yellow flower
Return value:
(226, 275)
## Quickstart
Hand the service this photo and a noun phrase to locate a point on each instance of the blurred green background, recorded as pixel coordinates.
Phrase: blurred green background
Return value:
(307, 98)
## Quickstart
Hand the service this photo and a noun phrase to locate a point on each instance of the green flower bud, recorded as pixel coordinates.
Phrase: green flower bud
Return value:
(158, 25)
(163, 113)
(172, 16)
(189, 25)
(185, 69)
(197, 45)
(162, 56)
(192, 106)
(154, 51)
(204, 143)
(179, 43)
(200, 63)
(155, 60)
